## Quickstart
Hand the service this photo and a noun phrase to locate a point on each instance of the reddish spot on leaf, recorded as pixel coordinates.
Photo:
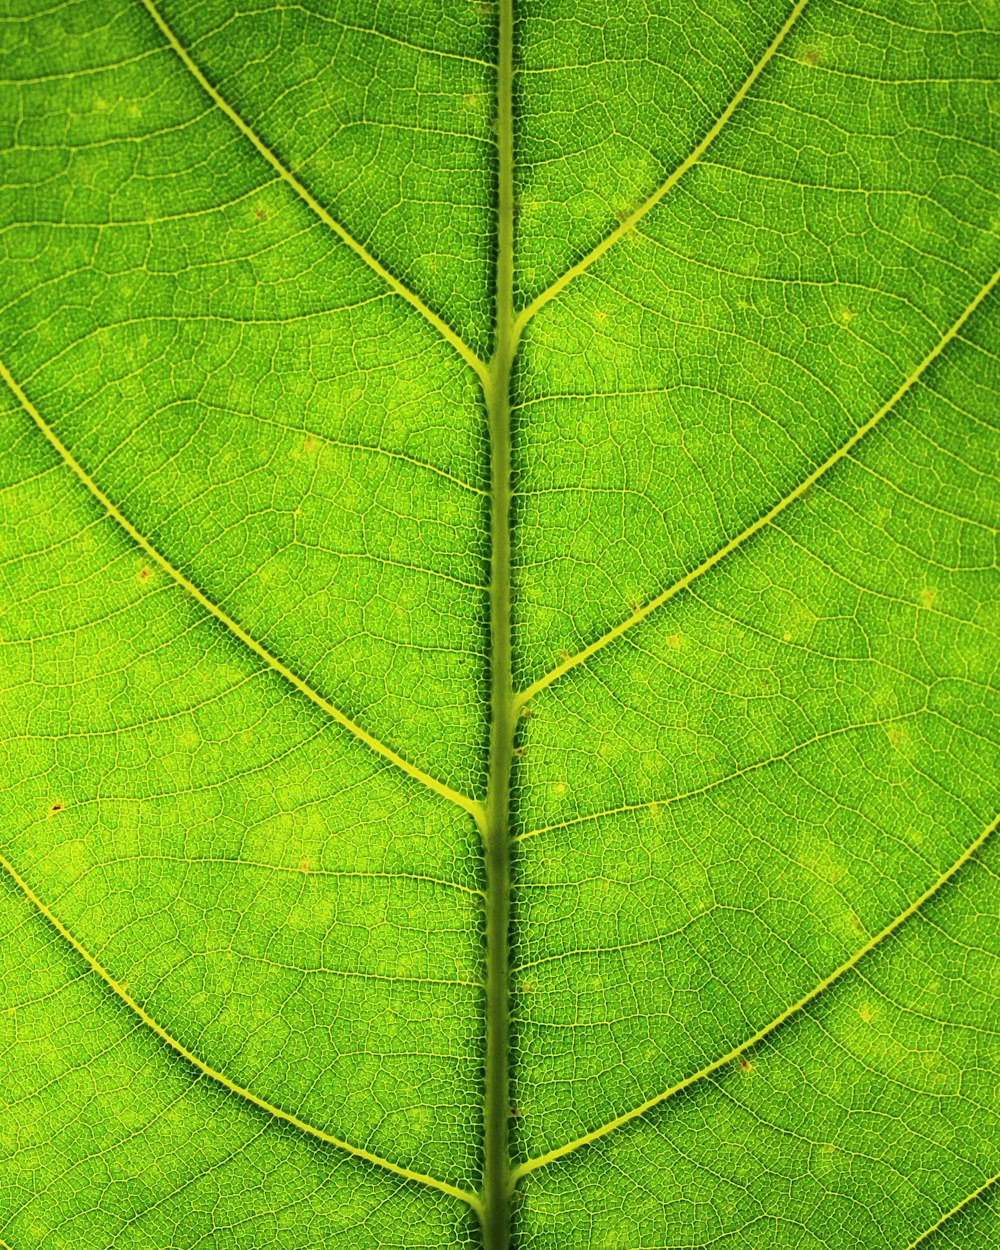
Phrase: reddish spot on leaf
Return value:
(519, 751)
(144, 575)
(56, 807)
(744, 1065)
(811, 56)
(259, 214)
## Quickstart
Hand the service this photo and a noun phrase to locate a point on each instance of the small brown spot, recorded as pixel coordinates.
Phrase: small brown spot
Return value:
(745, 1065)
(811, 56)
(519, 751)
(514, 1112)
(56, 807)
(303, 865)
(527, 987)
(601, 316)
(259, 214)
(527, 713)
(144, 575)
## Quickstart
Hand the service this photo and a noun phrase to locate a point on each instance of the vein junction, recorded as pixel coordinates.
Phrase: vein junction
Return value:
(277, 1113)
(492, 818)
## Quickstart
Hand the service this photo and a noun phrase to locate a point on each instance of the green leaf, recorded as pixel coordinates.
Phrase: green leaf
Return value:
(499, 625)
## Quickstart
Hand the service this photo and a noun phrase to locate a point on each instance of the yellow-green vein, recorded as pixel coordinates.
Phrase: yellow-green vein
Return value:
(959, 1206)
(307, 197)
(843, 450)
(432, 783)
(286, 1116)
(655, 805)
(632, 220)
(532, 1165)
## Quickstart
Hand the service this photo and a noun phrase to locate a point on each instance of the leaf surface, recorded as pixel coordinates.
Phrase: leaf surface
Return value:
(499, 626)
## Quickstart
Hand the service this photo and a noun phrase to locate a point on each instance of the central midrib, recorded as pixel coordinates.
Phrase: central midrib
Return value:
(497, 838)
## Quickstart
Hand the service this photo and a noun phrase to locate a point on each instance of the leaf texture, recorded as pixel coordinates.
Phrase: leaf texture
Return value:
(499, 625)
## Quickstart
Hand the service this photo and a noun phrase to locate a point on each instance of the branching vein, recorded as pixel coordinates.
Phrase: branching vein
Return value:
(432, 783)
(307, 197)
(632, 220)
(762, 522)
(287, 1117)
(959, 1206)
(559, 1152)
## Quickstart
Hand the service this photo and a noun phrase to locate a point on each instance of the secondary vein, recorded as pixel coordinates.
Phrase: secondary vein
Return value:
(307, 197)
(772, 514)
(532, 1165)
(959, 1206)
(632, 220)
(277, 1113)
(467, 804)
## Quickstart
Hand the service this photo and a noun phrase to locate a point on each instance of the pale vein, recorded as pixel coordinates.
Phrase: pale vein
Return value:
(432, 783)
(311, 1130)
(629, 223)
(304, 194)
(762, 522)
(627, 1117)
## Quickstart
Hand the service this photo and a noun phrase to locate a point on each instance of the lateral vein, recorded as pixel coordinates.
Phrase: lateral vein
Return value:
(662, 803)
(307, 197)
(532, 1165)
(629, 223)
(841, 452)
(959, 1206)
(277, 1113)
(432, 783)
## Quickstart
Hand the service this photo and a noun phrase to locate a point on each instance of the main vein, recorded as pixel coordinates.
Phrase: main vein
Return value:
(496, 1186)
(629, 223)
(532, 1165)
(303, 192)
(122, 993)
(772, 514)
(497, 839)
(432, 783)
